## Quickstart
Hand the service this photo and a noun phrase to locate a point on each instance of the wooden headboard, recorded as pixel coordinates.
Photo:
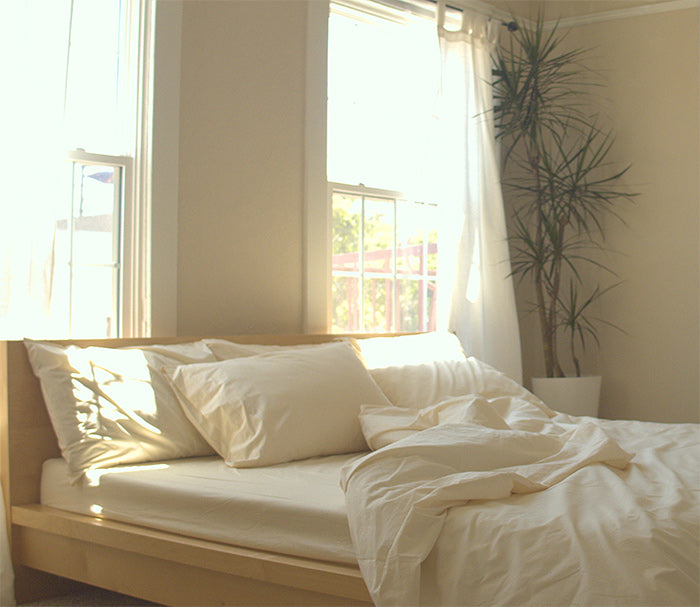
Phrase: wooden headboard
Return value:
(27, 438)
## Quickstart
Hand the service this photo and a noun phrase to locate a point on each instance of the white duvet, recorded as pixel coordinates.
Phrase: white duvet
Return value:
(477, 501)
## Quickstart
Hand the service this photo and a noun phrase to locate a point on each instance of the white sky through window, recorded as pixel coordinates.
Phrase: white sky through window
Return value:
(383, 78)
(97, 71)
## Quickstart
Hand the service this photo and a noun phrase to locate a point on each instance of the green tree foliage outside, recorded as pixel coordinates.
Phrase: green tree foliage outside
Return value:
(378, 289)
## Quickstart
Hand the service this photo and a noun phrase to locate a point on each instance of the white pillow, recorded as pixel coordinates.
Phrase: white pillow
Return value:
(278, 407)
(112, 406)
(419, 386)
(224, 349)
(378, 352)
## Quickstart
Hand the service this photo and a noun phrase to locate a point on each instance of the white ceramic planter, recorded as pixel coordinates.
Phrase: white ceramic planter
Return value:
(572, 395)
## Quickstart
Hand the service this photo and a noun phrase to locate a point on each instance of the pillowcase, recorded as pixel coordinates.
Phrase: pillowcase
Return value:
(112, 406)
(378, 352)
(278, 407)
(224, 349)
(419, 386)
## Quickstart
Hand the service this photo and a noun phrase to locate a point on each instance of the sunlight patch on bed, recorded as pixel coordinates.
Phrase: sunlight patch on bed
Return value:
(421, 348)
(116, 376)
(93, 477)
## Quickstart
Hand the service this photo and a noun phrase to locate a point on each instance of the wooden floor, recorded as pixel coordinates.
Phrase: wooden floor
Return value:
(92, 597)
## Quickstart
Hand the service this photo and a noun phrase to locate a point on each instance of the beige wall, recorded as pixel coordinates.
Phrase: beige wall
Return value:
(241, 170)
(651, 66)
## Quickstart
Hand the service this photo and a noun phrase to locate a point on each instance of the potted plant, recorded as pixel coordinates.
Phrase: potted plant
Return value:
(562, 186)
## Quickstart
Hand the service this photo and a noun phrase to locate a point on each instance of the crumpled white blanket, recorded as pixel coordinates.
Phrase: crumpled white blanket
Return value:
(459, 452)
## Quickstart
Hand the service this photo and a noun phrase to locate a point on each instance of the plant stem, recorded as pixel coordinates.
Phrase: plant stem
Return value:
(544, 325)
(577, 366)
(547, 317)
(554, 296)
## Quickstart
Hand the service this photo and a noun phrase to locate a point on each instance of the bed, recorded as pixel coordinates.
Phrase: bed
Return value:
(547, 509)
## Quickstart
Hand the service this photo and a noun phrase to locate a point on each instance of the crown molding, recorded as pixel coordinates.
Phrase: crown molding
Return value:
(625, 13)
(484, 7)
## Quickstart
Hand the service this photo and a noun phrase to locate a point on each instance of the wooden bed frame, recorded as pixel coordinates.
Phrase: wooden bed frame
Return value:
(51, 547)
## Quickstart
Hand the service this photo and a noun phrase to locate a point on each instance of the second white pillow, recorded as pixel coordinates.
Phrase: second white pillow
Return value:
(279, 407)
(419, 386)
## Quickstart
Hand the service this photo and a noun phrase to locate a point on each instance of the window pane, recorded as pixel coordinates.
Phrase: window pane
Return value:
(411, 312)
(93, 311)
(347, 218)
(430, 220)
(97, 108)
(87, 264)
(95, 214)
(346, 304)
(410, 237)
(378, 305)
(379, 235)
(431, 307)
(383, 76)
(432, 253)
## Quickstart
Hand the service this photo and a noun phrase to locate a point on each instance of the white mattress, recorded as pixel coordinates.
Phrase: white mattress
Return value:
(297, 508)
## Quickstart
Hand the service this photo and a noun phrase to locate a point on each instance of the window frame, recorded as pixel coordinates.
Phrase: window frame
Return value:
(317, 310)
(316, 313)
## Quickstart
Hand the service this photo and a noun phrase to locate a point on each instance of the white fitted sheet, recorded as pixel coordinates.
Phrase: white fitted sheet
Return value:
(296, 508)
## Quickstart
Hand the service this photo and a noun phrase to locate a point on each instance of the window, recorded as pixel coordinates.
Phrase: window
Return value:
(96, 238)
(75, 198)
(87, 276)
(383, 76)
(72, 247)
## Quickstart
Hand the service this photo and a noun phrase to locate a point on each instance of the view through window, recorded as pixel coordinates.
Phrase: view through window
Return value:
(384, 262)
(383, 76)
(87, 273)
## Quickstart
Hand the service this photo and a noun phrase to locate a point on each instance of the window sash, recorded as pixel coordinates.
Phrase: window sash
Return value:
(122, 239)
(135, 112)
(394, 278)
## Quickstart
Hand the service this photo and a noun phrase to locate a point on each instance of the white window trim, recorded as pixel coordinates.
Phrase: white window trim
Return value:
(150, 291)
(160, 268)
(136, 311)
(317, 216)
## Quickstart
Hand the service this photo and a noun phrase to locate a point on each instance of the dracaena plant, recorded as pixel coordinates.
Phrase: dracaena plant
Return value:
(562, 182)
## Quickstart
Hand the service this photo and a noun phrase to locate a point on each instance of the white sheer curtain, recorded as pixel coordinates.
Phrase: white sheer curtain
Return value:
(33, 46)
(481, 309)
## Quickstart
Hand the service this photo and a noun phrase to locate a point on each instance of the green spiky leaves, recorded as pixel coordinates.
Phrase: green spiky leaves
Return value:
(562, 180)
